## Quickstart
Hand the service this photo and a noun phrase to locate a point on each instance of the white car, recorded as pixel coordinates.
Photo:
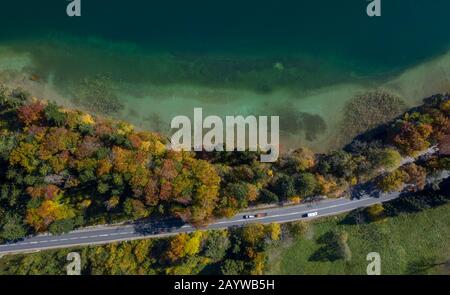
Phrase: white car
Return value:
(312, 214)
(259, 215)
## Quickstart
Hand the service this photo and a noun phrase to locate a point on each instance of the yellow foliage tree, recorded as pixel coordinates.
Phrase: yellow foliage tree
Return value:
(274, 230)
(25, 156)
(104, 167)
(193, 244)
(445, 106)
(87, 119)
(259, 263)
(253, 233)
(393, 181)
(142, 249)
(376, 212)
(327, 185)
(303, 159)
(48, 212)
(295, 199)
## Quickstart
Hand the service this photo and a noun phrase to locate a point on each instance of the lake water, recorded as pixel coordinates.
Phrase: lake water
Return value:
(301, 60)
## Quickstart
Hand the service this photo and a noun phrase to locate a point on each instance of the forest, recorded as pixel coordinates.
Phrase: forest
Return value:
(62, 169)
(235, 251)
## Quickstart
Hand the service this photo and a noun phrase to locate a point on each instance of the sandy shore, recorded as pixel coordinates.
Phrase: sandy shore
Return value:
(150, 106)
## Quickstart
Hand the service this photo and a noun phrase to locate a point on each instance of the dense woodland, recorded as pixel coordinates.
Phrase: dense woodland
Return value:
(62, 169)
(234, 251)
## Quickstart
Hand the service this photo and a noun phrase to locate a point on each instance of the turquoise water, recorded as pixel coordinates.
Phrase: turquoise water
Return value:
(157, 59)
(407, 31)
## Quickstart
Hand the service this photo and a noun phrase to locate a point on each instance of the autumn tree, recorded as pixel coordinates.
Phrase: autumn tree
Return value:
(327, 186)
(411, 138)
(25, 156)
(183, 245)
(376, 212)
(199, 201)
(135, 209)
(31, 113)
(253, 234)
(393, 181)
(300, 160)
(274, 231)
(46, 213)
(416, 176)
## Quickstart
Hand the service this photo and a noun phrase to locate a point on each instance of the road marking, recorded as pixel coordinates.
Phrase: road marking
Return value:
(217, 223)
(292, 213)
(324, 215)
(378, 200)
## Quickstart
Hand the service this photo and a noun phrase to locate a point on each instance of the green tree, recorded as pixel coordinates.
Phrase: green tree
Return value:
(62, 226)
(343, 249)
(232, 267)
(266, 196)
(135, 209)
(388, 159)
(216, 245)
(306, 184)
(238, 191)
(13, 228)
(298, 228)
(285, 187)
(54, 115)
(339, 163)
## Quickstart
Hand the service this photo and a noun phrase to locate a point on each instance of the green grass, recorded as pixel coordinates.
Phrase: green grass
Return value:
(408, 244)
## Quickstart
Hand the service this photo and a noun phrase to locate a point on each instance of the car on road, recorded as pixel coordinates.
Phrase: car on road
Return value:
(251, 216)
(311, 214)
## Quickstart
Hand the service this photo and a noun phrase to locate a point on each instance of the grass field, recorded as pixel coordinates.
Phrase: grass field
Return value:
(408, 244)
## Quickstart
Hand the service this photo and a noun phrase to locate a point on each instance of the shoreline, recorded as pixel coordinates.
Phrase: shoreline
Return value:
(147, 105)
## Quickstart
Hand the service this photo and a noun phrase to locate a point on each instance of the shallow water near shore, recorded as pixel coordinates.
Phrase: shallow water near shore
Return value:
(302, 63)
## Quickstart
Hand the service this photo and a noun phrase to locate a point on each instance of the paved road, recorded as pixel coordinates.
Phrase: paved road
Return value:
(108, 234)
